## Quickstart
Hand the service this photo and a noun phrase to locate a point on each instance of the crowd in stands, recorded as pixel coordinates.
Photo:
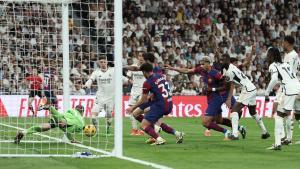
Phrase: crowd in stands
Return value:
(179, 33)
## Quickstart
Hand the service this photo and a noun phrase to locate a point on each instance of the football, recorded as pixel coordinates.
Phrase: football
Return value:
(89, 130)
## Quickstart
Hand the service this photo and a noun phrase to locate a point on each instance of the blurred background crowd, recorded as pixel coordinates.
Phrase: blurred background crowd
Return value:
(179, 33)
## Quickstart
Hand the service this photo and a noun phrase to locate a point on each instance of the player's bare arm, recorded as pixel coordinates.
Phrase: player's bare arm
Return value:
(181, 70)
(132, 68)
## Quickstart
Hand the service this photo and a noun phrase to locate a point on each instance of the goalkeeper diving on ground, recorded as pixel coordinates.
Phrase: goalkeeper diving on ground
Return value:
(70, 122)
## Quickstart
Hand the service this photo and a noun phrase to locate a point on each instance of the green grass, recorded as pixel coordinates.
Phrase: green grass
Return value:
(197, 151)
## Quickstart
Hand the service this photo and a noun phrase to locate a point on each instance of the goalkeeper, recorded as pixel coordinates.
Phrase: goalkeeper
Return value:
(70, 122)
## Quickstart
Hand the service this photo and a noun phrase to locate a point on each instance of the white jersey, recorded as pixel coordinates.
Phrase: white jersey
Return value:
(105, 83)
(292, 58)
(282, 72)
(138, 80)
(238, 77)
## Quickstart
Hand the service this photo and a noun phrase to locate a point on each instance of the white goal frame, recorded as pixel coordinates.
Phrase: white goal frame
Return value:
(118, 132)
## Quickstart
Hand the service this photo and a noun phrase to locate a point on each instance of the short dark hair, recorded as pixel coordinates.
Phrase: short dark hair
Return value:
(226, 56)
(102, 57)
(233, 60)
(146, 67)
(149, 57)
(289, 39)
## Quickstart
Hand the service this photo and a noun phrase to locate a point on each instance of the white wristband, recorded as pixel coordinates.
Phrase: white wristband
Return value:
(213, 89)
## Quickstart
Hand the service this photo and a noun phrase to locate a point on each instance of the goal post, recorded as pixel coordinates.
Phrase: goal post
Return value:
(118, 77)
(56, 44)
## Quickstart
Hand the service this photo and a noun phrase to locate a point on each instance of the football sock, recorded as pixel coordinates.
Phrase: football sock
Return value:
(235, 123)
(167, 128)
(278, 129)
(226, 122)
(139, 118)
(133, 122)
(289, 127)
(157, 128)
(260, 123)
(216, 127)
(283, 130)
(150, 131)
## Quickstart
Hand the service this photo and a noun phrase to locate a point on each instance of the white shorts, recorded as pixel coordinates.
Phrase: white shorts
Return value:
(247, 98)
(106, 106)
(133, 99)
(287, 103)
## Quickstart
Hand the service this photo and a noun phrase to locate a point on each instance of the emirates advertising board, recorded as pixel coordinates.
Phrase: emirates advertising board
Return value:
(183, 106)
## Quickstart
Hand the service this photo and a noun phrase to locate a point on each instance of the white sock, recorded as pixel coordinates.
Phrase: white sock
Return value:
(133, 122)
(260, 123)
(289, 127)
(283, 129)
(157, 128)
(278, 129)
(235, 123)
(177, 133)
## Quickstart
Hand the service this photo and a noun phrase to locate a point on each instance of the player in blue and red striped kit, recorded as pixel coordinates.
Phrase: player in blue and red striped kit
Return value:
(161, 104)
(217, 93)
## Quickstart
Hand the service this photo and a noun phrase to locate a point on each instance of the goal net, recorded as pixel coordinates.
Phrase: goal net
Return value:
(46, 41)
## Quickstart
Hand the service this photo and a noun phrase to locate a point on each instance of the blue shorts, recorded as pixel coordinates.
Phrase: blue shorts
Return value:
(157, 111)
(215, 104)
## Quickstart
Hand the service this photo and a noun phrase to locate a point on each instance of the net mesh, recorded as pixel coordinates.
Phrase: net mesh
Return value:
(31, 45)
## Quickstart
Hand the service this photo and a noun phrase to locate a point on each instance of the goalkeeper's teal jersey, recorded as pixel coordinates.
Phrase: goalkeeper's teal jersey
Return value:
(73, 118)
(75, 122)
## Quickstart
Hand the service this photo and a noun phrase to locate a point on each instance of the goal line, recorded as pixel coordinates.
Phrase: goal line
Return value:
(57, 140)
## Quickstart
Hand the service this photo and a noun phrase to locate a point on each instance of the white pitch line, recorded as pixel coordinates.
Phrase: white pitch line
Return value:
(154, 165)
(28, 141)
(146, 163)
(59, 140)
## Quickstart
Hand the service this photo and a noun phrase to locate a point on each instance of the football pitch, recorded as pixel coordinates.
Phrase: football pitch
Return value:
(196, 151)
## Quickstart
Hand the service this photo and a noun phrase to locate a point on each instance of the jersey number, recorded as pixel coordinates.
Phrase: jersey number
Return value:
(165, 88)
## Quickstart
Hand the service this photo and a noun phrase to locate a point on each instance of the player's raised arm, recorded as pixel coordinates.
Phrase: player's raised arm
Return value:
(181, 70)
(132, 68)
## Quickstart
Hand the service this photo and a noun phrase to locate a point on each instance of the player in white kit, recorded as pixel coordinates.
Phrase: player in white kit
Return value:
(291, 57)
(246, 98)
(282, 73)
(137, 87)
(105, 93)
